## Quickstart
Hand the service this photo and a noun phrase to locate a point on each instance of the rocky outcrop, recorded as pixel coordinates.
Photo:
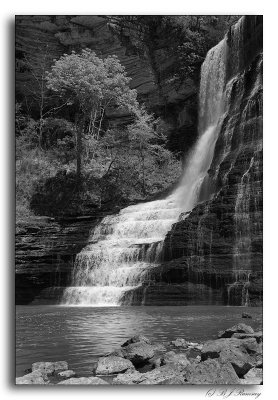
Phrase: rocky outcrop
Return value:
(214, 255)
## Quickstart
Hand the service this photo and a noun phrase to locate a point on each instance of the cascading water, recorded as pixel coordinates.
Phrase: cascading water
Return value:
(124, 246)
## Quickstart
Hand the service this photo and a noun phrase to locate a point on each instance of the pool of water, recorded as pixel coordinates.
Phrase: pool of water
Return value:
(80, 335)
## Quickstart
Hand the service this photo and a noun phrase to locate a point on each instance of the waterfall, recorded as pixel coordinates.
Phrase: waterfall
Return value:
(123, 247)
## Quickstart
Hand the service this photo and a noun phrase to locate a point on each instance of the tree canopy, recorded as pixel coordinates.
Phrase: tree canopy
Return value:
(91, 84)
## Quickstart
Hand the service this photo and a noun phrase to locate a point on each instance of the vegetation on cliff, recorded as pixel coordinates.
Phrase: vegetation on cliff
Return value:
(118, 165)
(71, 159)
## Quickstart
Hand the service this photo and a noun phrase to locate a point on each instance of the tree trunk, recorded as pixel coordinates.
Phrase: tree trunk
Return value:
(79, 131)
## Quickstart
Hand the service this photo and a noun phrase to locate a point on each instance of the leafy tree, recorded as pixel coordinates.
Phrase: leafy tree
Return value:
(90, 85)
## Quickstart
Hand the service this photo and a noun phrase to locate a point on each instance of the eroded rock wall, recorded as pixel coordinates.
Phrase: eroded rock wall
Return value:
(214, 255)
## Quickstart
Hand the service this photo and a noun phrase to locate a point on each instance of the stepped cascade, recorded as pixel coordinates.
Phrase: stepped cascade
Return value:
(124, 247)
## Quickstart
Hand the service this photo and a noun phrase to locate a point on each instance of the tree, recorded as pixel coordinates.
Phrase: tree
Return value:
(90, 85)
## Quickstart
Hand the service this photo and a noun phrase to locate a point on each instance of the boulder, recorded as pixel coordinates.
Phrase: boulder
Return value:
(50, 367)
(239, 328)
(162, 375)
(176, 359)
(257, 335)
(91, 380)
(60, 366)
(211, 372)
(138, 353)
(128, 378)
(155, 362)
(245, 315)
(240, 361)
(158, 376)
(259, 361)
(136, 339)
(66, 374)
(34, 378)
(252, 346)
(113, 365)
(253, 377)
(234, 351)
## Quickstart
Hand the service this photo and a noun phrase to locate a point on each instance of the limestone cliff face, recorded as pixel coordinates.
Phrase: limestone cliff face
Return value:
(215, 254)
(41, 39)
(45, 254)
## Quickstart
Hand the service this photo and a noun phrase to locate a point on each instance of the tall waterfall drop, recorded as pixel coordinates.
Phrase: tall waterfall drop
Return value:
(124, 246)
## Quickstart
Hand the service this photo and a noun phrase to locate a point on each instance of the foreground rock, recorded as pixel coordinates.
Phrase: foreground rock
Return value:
(34, 378)
(253, 377)
(92, 380)
(211, 371)
(175, 359)
(138, 353)
(158, 376)
(50, 367)
(239, 328)
(112, 365)
(257, 335)
(239, 352)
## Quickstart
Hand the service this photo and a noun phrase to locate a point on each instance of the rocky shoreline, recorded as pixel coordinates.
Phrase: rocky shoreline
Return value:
(234, 358)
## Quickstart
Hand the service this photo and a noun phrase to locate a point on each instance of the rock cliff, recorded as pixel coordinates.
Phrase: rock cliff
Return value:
(214, 255)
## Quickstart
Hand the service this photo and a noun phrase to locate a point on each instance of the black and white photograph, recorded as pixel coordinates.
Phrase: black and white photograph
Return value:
(139, 200)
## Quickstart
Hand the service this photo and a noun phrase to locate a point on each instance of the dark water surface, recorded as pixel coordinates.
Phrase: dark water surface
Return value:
(80, 334)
